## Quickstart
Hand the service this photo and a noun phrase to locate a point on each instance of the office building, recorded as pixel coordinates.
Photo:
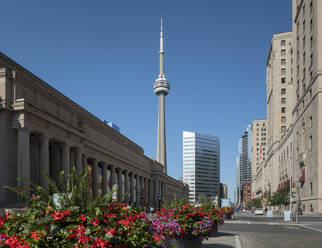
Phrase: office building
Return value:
(201, 165)
(259, 153)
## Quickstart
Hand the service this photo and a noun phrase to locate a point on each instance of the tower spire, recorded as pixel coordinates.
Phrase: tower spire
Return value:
(161, 89)
(161, 50)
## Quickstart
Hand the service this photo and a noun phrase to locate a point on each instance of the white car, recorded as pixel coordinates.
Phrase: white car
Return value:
(259, 211)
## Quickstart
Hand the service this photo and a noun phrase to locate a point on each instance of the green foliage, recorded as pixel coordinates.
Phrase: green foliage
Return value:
(74, 219)
(205, 201)
(281, 197)
(254, 203)
(176, 202)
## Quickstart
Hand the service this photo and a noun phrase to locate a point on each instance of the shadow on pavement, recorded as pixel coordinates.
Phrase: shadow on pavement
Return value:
(216, 246)
(220, 234)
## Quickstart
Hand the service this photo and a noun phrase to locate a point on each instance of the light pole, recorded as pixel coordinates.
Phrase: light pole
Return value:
(159, 199)
(298, 204)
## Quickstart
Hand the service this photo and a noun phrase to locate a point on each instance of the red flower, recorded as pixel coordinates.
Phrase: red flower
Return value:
(94, 222)
(2, 222)
(110, 231)
(84, 239)
(124, 222)
(83, 217)
(36, 235)
(59, 215)
(157, 237)
(99, 243)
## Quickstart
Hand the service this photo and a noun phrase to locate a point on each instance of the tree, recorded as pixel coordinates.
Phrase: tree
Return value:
(255, 203)
(281, 197)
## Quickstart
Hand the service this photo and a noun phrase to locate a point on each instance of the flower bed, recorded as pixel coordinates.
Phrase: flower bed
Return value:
(184, 222)
(115, 225)
(71, 218)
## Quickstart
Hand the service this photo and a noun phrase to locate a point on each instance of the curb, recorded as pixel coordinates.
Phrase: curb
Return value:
(310, 228)
(237, 241)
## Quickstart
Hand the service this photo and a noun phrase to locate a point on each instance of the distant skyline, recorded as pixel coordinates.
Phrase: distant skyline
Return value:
(104, 56)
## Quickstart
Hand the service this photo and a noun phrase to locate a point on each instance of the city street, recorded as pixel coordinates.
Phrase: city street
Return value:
(249, 231)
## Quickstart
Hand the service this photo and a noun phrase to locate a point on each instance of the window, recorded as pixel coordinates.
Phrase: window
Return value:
(283, 52)
(283, 61)
(311, 60)
(311, 7)
(304, 42)
(310, 143)
(283, 100)
(283, 91)
(283, 80)
(283, 71)
(311, 189)
(311, 42)
(283, 119)
(283, 110)
(283, 128)
(311, 25)
(310, 122)
(283, 42)
(303, 26)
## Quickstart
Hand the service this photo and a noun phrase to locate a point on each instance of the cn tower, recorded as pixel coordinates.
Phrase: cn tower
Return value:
(161, 89)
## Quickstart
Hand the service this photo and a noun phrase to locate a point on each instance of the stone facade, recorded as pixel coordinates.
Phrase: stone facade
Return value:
(259, 149)
(295, 154)
(307, 120)
(43, 130)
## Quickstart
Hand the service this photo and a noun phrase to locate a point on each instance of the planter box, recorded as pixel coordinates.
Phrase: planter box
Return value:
(185, 242)
(227, 216)
(214, 232)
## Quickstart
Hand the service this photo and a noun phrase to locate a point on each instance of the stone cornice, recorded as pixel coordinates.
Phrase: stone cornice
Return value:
(68, 103)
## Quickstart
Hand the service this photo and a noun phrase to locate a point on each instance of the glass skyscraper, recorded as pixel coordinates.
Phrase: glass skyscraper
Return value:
(201, 165)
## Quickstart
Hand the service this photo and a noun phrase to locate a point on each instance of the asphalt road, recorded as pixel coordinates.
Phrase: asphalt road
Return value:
(251, 217)
(274, 236)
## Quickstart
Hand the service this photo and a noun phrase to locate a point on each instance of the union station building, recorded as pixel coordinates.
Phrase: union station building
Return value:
(41, 130)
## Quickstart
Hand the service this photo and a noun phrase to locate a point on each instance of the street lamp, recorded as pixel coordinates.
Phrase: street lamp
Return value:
(159, 199)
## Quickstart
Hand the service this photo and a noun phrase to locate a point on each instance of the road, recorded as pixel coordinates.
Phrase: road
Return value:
(263, 232)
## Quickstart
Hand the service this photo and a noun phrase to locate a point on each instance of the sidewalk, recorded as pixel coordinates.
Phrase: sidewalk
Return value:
(314, 226)
(223, 240)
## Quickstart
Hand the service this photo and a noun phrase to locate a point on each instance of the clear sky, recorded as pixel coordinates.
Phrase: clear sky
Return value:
(104, 55)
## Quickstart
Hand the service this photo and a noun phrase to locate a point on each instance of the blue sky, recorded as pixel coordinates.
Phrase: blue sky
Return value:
(104, 56)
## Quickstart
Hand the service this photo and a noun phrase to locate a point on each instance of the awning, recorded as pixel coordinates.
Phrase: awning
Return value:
(279, 187)
(302, 177)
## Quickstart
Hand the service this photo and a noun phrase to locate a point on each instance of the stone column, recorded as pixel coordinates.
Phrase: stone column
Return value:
(84, 165)
(104, 178)
(120, 189)
(66, 160)
(79, 162)
(23, 165)
(138, 191)
(95, 178)
(156, 194)
(126, 186)
(165, 191)
(150, 186)
(112, 176)
(44, 160)
(146, 185)
(132, 188)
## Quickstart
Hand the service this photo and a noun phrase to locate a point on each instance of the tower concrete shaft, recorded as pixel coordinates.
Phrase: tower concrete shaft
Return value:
(161, 89)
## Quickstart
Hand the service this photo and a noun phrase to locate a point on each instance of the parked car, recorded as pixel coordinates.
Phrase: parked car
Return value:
(259, 211)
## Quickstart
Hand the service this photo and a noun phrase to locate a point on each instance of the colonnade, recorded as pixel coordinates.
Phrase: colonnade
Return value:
(36, 153)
